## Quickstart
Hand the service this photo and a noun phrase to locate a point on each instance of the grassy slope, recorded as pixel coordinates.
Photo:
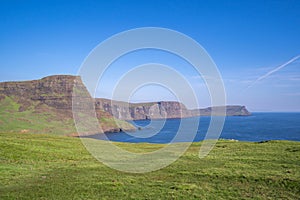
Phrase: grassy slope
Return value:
(34, 166)
(47, 121)
(43, 122)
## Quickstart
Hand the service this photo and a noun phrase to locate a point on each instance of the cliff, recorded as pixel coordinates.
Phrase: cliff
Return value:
(231, 110)
(137, 111)
(45, 105)
(163, 109)
(53, 91)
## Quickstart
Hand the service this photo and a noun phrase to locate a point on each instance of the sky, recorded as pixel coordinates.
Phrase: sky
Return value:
(249, 41)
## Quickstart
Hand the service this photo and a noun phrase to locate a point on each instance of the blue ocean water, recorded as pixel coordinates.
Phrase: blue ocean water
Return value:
(257, 127)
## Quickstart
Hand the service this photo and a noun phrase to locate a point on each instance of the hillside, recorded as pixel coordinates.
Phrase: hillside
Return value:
(45, 106)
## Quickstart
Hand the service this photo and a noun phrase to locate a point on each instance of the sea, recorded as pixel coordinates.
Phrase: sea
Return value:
(255, 128)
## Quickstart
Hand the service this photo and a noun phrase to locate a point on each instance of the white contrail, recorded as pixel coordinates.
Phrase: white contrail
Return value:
(274, 70)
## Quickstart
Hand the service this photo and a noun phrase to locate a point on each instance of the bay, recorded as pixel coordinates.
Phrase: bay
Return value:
(257, 127)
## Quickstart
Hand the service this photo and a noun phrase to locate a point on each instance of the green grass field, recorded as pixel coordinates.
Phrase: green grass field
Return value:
(34, 166)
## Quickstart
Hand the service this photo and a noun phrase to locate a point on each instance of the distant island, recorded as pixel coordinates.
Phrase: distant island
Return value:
(45, 106)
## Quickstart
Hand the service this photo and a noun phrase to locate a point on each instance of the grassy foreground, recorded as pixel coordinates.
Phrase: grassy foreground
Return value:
(34, 166)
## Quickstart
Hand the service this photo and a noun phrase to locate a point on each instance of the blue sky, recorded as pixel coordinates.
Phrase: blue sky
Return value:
(246, 39)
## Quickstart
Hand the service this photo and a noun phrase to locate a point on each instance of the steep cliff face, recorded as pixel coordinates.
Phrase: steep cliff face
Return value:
(163, 109)
(50, 99)
(137, 111)
(53, 91)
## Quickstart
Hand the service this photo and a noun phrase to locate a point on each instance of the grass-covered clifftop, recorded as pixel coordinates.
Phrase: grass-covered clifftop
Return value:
(35, 166)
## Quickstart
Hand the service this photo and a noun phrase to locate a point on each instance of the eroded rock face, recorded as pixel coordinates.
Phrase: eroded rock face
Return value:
(137, 111)
(54, 91)
(163, 109)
